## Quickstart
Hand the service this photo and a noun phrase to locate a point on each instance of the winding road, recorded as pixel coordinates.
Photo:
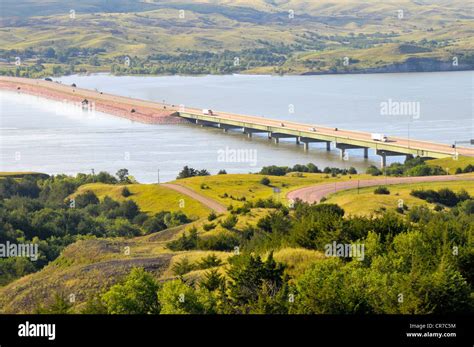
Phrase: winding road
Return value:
(316, 193)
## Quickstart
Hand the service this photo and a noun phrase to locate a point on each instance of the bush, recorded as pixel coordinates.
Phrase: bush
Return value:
(182, 267)
(190, 172)
(274, 170)
(137, 295)
(223, 241)
(381, 191)
(374, 171)
(209, 226)
(125, 192)
(210, 261)
(265, 181)
(211, 216)
(230, 222)
(85, 199)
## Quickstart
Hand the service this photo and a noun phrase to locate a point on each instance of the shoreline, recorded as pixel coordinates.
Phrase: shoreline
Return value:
(133, 109)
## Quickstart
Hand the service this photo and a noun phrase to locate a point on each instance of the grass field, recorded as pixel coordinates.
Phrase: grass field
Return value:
(366, 202)
(248, 186)
(151, 198)
(451, 164)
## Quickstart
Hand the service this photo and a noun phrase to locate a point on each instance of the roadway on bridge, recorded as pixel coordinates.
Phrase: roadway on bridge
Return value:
(349, 134)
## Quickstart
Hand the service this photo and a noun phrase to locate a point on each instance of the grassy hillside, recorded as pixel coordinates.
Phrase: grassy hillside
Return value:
(450, 163)
(206, 36)
(151, 198)
(235, 189)
(90, 264)
(365, 202)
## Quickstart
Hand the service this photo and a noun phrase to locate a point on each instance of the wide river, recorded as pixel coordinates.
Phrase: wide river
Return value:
(50, 137)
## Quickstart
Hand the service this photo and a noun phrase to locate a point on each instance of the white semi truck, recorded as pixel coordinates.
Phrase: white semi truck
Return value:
(379, 137)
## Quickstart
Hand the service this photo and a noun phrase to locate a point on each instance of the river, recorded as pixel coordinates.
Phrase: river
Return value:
(50, 137)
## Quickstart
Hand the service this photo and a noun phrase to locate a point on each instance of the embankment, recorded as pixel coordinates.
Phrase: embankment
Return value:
(133, 109)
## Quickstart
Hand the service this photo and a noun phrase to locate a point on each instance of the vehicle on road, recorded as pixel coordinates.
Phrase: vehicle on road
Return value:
(379, 137)
(207, 112)
(312, 129)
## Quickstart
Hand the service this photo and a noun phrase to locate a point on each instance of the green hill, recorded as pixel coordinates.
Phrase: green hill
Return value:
(206, 36)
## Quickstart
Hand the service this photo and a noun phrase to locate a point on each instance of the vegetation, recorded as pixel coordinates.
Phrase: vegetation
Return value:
(222, 37)
(381, 191)
(443, 196)
(409, 266)
(310, 168)
(259, 257)
(412, 167)
(363, 201)
(41, 211)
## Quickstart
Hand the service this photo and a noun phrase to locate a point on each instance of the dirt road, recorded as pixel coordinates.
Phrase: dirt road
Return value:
(212, 204)
(316, 193)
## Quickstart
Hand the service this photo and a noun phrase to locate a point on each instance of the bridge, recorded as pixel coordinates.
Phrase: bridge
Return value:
(155, 112)
(342, 140)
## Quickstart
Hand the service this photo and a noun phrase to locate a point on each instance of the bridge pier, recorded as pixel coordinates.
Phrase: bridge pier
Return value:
(306, 141)
(226, 127)
(249, 131)
(277, 136)
(343, 147)
(383, 156)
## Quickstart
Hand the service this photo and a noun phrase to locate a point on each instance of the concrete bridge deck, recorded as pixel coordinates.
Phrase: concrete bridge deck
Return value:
(343, 139)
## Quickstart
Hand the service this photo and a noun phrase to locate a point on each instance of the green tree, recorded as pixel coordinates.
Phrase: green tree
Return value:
(176, 297)
(136, 295)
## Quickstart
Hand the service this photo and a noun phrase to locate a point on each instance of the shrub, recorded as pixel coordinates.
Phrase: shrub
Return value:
(374, 171)
(220, 242)
(230, 222)
(182, 267)
(137, 295)
(381, 191)
(210, 261)
(209, 226)
(85, 199)
(265, 181)
(125, 192)
(211, 216)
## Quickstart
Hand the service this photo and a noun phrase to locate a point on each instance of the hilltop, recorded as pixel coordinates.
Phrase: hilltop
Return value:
(292, 37)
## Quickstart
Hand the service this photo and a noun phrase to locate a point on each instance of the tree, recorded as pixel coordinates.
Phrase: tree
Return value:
(265, 181)
(176, 297)
(85, 199)
(128, 209)
(122, 175)
(137, 295)
(212, 280)
(249, 276)
(60, 305)
(182, 267)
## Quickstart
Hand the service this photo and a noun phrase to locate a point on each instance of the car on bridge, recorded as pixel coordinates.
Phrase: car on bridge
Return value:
(379, 137)
(207, 112)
